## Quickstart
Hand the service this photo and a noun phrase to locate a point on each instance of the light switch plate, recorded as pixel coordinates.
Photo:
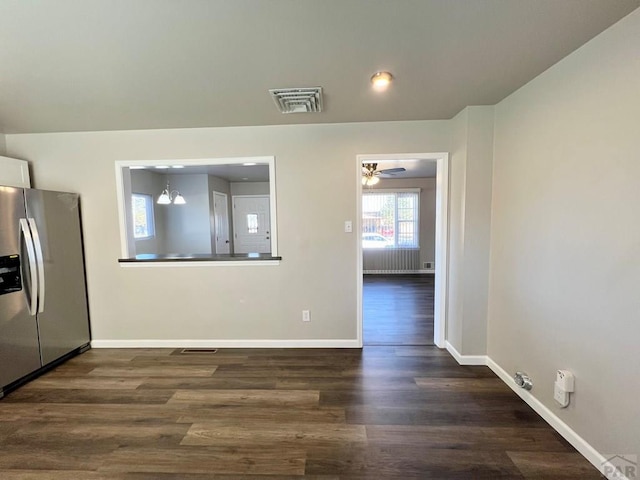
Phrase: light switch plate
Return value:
(348, 226)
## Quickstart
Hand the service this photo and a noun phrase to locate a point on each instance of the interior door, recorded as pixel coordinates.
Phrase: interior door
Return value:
(63, 322)
(221, 222)
(251, 224)
(19, 352)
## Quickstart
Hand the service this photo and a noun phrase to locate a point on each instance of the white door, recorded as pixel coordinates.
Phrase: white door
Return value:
(221, 222)
(251, 224)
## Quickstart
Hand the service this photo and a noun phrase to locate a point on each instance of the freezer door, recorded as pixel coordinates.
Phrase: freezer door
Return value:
(19, 352)
(63, 319)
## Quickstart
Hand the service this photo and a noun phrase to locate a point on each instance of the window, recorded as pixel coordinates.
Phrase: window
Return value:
(142, 206)
(252, 223)
(390, 219)
(197, 180)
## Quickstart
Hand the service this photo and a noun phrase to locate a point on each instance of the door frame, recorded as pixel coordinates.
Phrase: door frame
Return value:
(441, 244)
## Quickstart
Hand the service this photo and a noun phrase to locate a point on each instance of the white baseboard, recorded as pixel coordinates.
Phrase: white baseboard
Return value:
(225, 344)
(465, 359)
(597, 459)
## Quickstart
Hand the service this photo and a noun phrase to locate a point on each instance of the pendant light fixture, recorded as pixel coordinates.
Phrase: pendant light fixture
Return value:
(170, 196)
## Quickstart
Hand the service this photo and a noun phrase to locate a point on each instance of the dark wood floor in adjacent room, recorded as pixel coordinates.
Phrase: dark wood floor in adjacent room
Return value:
(392, 412)
(397, 309)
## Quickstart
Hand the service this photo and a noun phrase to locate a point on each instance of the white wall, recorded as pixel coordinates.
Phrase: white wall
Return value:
(427, 209)
(470, 229)
(265, 302)
(188, 226)
(250, 188)
(457, 185)
(565, 246)
(477, 215)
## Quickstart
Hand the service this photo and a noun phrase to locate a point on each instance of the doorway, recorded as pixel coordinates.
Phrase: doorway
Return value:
(251, 224)
(221, 222)
(413, 297)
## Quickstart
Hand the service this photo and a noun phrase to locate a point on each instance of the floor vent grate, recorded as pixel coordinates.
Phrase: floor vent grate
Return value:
(187, 351)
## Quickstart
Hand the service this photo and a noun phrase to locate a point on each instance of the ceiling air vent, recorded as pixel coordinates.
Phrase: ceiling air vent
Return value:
(297, 100)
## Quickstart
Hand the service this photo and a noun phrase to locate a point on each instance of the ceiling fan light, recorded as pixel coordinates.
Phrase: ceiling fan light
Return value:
(364, 180)
(179, 200)
(372, 181)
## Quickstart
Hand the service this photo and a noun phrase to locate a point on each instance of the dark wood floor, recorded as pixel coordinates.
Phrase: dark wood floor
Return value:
(397, 309)
(380, 412)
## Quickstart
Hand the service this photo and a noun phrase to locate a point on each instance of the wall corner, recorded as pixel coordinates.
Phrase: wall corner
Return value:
(470, 229)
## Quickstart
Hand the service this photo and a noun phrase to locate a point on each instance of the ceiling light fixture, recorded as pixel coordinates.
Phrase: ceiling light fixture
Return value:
(369, 178)
(370, 181)
(371, 175)
(167, 196)
(381, 80)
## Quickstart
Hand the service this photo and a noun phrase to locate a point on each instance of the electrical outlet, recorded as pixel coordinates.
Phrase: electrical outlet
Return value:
(306, 316)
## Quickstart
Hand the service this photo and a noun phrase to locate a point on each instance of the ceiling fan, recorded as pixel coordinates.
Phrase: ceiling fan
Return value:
(371, 175)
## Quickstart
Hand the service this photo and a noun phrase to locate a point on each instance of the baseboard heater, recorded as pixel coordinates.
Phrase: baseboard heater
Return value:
(392, 260)
(394, 272)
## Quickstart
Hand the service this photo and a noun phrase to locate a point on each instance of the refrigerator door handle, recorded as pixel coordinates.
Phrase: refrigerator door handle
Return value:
(40, 263)
(28, 241)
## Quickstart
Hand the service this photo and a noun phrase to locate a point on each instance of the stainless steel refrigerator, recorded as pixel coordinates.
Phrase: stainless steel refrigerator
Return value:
(43, 304)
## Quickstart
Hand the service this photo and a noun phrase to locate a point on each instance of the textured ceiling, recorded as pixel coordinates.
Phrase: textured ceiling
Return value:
(70, 65)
